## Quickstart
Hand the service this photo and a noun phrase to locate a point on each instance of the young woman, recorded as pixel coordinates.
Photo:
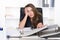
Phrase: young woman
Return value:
(34, 15)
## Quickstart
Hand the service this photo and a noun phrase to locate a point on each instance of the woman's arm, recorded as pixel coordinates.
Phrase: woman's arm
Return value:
(22, 23)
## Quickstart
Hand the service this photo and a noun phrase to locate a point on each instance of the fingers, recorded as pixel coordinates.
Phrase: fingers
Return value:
(26, 11)
(40, 25)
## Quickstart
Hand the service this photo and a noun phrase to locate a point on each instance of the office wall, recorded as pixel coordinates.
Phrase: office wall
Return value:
(57, 12)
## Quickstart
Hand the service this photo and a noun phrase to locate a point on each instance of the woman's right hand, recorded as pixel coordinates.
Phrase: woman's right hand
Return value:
(26, 12)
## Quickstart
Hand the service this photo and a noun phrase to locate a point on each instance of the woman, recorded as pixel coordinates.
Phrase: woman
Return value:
(34, 15)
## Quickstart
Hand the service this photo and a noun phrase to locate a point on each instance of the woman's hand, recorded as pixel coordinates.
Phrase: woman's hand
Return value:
(40, 25)
(26, 12)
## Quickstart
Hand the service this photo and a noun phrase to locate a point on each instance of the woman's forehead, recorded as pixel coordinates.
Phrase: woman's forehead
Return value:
(28, 8)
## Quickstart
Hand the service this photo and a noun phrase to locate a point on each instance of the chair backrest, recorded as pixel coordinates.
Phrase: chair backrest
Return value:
(22, 16)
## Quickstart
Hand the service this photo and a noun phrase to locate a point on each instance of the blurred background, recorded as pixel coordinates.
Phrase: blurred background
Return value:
(10, 13)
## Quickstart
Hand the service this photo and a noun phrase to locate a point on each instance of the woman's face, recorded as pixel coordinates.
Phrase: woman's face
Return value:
(30, 12)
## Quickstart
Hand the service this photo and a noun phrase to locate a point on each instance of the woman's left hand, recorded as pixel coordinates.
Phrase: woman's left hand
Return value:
(40, 25)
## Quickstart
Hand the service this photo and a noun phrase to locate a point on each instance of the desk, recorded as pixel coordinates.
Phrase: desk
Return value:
(42, 36)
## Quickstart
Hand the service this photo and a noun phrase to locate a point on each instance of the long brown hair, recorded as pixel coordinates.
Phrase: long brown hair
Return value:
(36, 15)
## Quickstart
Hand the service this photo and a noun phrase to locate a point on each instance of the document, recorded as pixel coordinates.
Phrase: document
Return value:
(27, 33)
